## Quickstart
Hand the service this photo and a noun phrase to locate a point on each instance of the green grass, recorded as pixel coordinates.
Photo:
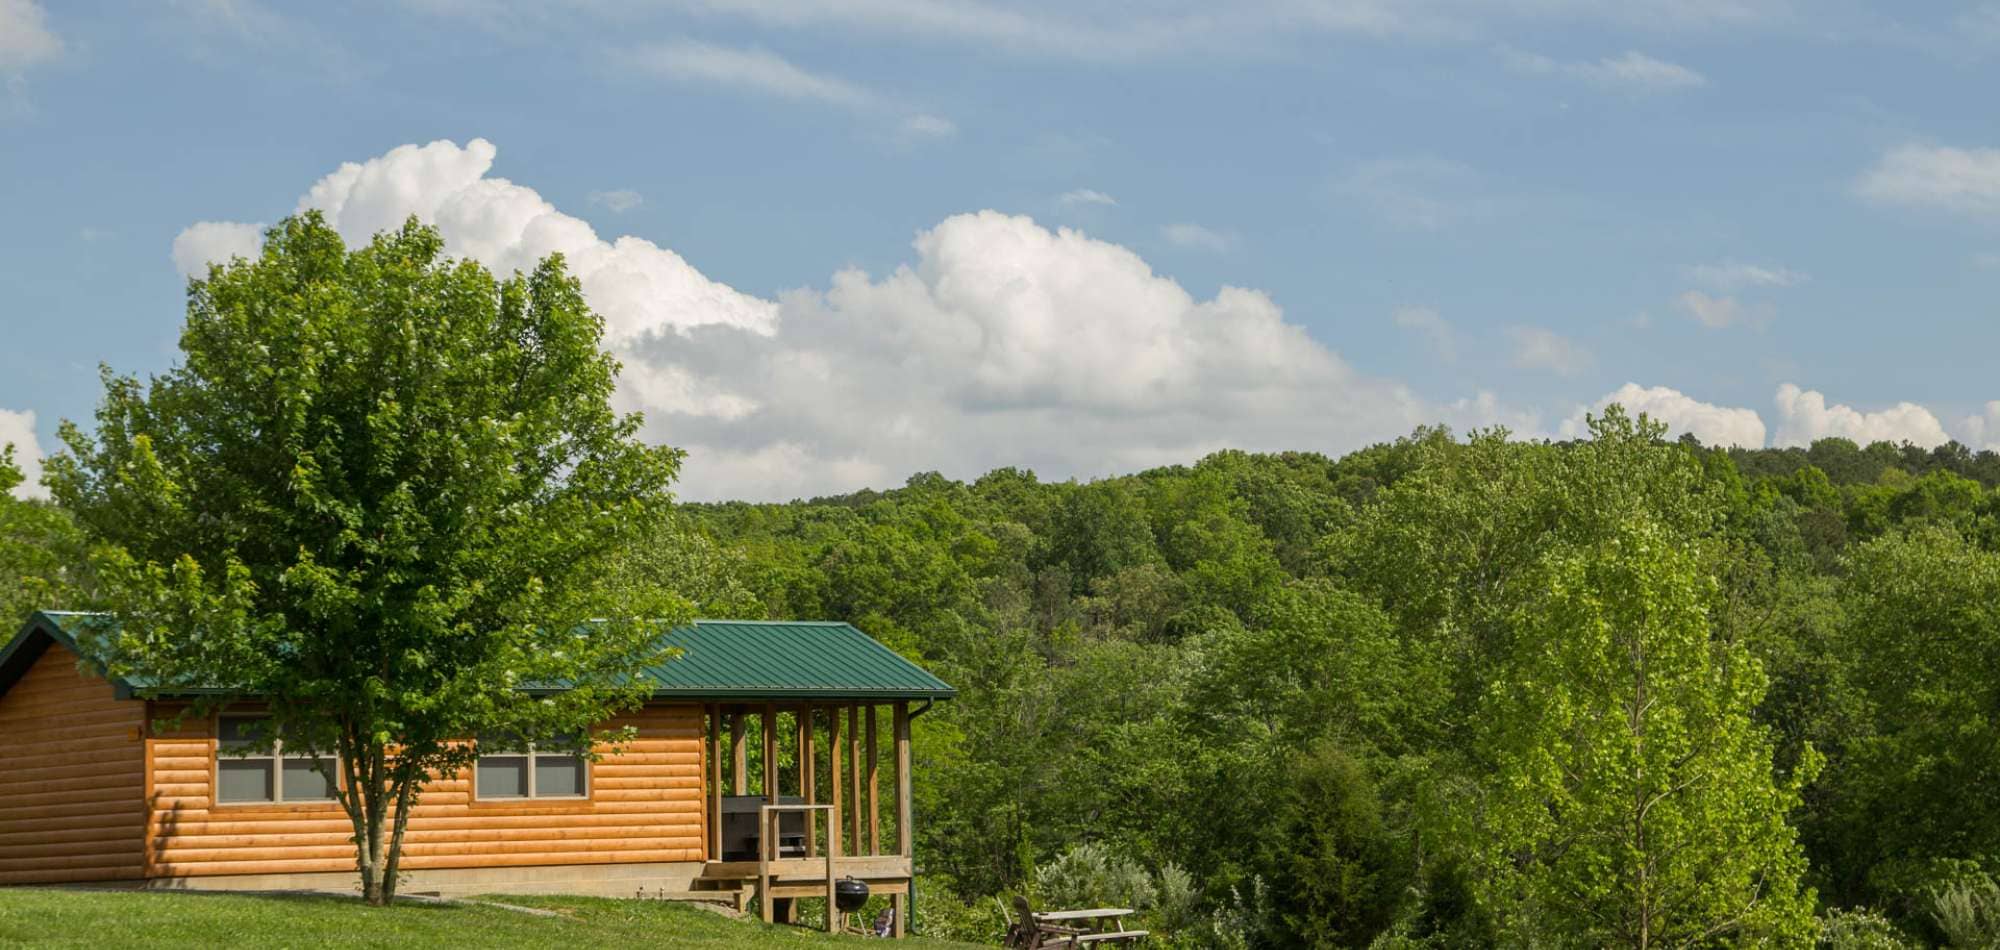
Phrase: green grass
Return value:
(67, 918)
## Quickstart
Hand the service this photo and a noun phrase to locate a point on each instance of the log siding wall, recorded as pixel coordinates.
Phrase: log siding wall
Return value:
(645, 805)
(72, 777)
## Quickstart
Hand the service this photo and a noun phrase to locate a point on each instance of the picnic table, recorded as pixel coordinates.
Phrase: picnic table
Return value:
(1069, 928)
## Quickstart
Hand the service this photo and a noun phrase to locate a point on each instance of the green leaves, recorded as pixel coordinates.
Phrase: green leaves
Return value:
(380, 491)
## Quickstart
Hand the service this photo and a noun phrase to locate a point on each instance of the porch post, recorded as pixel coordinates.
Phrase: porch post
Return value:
(714, 782)
(807, 755)
(904, 835)
(771, 753)
(854, 753)
(833, 848)
(740, 755)
(874, 788)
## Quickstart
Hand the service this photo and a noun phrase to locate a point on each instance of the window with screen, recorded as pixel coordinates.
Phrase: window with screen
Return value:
(252, 766)
(530, 770)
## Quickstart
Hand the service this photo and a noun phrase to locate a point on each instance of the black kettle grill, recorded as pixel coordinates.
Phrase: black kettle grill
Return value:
(849, 894)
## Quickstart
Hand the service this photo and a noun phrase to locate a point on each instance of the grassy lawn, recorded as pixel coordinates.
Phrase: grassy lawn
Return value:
(57, 918)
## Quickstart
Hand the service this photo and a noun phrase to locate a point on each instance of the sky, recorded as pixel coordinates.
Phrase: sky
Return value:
(839, 242)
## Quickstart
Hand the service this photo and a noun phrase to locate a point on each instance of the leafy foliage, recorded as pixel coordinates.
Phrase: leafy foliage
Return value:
(383, 493)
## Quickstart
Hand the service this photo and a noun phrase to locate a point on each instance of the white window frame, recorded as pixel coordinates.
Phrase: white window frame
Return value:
(277, 758)
(528, 751)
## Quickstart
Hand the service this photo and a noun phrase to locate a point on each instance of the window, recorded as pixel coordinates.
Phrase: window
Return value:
(531, 770)
(245, 773)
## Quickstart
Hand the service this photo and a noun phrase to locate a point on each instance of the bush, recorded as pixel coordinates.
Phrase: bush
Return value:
(1860, 929)
(1968, 913)
(943, 914)
(1090, 875)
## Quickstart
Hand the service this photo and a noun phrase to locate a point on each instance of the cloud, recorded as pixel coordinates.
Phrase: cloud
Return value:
(25, 38)
(1634, 71)
(763, 72)
(1536, 348)
(1135, 32)
(25, 42)
(1196, 237)
(17, 428)
(1804, 417)
(206, 242)
(1417, 194)
(1712, 424)
(1433, 327)
(618, 201)
(638, 286)
(1733, 275)
(1085, 196)
(1721, 311)
(754, 70)
(1966, 181)
(1983, 431)
(1002, 342)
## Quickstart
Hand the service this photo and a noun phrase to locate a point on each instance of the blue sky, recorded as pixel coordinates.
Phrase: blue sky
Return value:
(839, 242)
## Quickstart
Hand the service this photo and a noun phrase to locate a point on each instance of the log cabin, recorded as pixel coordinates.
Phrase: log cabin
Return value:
(100, 784)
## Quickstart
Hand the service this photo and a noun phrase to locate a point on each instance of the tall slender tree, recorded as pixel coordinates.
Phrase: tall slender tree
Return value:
(381, 493)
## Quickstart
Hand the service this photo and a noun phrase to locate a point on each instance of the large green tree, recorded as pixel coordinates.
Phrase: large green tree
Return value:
(384, 493)
(38, 547)
(1632, 802)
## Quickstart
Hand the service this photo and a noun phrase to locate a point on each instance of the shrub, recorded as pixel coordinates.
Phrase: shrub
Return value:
(1090, 875)
(1860, 929)
(1968, 913)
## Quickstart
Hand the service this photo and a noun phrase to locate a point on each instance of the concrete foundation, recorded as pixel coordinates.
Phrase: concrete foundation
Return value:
(591, 880)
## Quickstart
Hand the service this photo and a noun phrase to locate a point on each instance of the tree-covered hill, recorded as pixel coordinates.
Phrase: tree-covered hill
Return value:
(1326, 690)
(1444, 692)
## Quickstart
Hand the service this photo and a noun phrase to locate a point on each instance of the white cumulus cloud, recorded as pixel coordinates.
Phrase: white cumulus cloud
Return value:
(1712, 424)
(17, 428)
(1804, 417)
(1963, 180)
(215, 242)
(1983, 431)
(1002, 342)
(637, 285)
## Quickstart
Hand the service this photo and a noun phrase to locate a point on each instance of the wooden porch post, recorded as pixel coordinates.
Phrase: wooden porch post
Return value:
(807, 755)
(741, 781)
(833, 778)
(874, 788)
(904, 836)
(715, 782)
(854, 753)
(771, 753)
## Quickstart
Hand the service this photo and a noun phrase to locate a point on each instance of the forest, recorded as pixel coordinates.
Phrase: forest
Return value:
(1440, 692)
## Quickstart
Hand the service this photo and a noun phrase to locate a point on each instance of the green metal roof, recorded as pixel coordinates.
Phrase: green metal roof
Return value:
(762, 659)
(719, 659)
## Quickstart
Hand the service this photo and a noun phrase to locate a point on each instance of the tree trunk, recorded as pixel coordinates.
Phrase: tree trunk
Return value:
(405, 795)
(364, 798)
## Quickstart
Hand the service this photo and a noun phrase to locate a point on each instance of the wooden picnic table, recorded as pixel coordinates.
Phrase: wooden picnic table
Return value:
(1060, 928)
(1092, 914)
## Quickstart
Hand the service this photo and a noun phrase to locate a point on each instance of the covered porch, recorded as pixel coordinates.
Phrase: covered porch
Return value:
(806, 762)
(801, 796)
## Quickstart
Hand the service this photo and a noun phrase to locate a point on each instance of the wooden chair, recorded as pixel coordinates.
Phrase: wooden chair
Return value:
(1030, 932)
